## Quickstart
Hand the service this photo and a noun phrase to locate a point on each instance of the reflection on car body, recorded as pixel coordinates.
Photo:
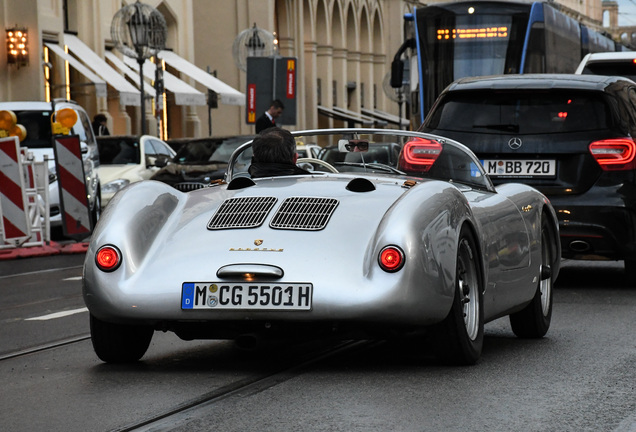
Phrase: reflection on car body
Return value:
(426, 247)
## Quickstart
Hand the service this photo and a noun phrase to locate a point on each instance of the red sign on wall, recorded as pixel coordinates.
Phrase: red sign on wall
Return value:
(251, 103)
(291, 79)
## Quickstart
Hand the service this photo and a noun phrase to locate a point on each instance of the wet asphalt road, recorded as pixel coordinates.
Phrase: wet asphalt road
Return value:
(580, 377)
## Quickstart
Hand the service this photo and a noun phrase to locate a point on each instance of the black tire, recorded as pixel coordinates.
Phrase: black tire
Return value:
(460, 337)
(534, 320)
(97, 209)
(117, 343)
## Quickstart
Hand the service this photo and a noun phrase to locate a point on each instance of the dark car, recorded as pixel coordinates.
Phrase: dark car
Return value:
(199, 162)
(570, 136)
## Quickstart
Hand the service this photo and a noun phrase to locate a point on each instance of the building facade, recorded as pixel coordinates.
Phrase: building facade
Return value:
(343, 49)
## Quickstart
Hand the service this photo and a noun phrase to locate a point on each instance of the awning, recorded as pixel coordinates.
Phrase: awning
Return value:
(345, 115)
(184, 93)
(128, 94)
(228, 94)
(366, 119)
(385, 116)
(100, 84)
(134, 76)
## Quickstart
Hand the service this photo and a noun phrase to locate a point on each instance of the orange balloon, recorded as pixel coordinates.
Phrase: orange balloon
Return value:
(7, 120)
(18, 131)
(67, 117)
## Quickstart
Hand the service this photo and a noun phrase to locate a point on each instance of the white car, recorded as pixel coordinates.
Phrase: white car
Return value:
(128, 159)
(621, 63)
(36, 118)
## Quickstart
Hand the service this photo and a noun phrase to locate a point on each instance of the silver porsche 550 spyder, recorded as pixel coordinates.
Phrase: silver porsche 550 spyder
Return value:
(389, 233)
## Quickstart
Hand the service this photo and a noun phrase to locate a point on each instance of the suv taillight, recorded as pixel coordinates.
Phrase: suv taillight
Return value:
(419, 155)
(616, 154)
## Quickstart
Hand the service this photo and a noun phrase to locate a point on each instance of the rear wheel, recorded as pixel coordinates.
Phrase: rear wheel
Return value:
(461, 334)
(118, 343)
(534, 320)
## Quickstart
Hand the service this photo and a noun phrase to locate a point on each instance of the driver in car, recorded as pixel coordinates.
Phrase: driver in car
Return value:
(274, 154)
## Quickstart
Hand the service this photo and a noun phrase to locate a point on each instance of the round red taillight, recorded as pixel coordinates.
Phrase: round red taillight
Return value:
(391, 259)
(108, 258)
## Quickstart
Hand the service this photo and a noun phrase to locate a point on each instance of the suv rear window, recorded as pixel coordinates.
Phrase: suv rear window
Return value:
(625, 68)
(533, 112)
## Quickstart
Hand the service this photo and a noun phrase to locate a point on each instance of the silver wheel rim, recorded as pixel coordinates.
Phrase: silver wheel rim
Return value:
(468, 285)
(545, 286)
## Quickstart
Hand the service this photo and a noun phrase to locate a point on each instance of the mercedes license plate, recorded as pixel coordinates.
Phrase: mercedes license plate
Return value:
(240, 295)
(520, 167)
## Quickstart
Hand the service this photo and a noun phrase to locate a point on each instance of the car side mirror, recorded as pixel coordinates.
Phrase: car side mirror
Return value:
(158, 161)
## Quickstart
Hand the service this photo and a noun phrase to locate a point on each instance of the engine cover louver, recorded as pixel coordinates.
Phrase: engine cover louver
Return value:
(303, 213)
(244, 212)
(295, 213)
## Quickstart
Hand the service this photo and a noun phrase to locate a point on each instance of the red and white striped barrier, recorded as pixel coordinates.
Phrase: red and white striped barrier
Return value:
(15, 227)
(36, 183)
(76, 220)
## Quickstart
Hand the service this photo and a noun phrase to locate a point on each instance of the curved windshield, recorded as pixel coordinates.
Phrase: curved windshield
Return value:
(380, 153)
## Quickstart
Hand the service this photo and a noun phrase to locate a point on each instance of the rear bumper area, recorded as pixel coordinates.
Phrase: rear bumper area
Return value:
(596, 232)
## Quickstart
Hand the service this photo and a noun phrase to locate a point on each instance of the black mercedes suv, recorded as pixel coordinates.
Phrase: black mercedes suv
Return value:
(569, 136)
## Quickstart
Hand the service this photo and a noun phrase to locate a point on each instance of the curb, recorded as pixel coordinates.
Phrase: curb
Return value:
(53, 248)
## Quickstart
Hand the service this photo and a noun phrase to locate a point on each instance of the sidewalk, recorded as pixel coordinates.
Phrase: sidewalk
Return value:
(53, 248)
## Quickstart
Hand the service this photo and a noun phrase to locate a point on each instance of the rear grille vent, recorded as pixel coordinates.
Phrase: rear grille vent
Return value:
(188, 186)
(303, 213)
(245, 212)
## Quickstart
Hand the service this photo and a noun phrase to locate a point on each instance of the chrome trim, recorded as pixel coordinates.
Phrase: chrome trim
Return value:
(246, 270)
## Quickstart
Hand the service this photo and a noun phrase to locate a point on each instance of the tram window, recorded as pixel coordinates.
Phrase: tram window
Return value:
(535, 57)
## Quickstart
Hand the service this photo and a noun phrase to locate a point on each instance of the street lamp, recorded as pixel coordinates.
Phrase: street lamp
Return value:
(139, 31)
(255, 46)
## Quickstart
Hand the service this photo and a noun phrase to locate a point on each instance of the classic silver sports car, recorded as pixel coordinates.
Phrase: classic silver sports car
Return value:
(366, 246)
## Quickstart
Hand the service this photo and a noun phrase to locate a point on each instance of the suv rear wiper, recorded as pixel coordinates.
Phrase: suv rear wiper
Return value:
(503, 127)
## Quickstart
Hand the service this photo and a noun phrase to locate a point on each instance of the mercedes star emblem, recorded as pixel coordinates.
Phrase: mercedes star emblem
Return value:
(515, 143)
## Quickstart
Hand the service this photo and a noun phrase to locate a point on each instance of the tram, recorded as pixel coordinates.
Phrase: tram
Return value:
(459, 39)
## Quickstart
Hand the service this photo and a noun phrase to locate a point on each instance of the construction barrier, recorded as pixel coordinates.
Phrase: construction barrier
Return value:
(36, 183)
(76, 216)
(24, 191)
(14, 224)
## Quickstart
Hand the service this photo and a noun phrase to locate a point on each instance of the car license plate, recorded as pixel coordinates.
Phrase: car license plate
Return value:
(520, 168)
(239, 295)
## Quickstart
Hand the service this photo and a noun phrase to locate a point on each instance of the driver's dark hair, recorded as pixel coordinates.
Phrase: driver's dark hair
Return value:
(274, 145)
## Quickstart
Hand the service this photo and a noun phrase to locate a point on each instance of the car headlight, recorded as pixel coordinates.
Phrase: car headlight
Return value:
(115, 185)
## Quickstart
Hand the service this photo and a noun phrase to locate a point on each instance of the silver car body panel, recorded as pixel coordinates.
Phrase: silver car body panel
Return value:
(165, 241)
